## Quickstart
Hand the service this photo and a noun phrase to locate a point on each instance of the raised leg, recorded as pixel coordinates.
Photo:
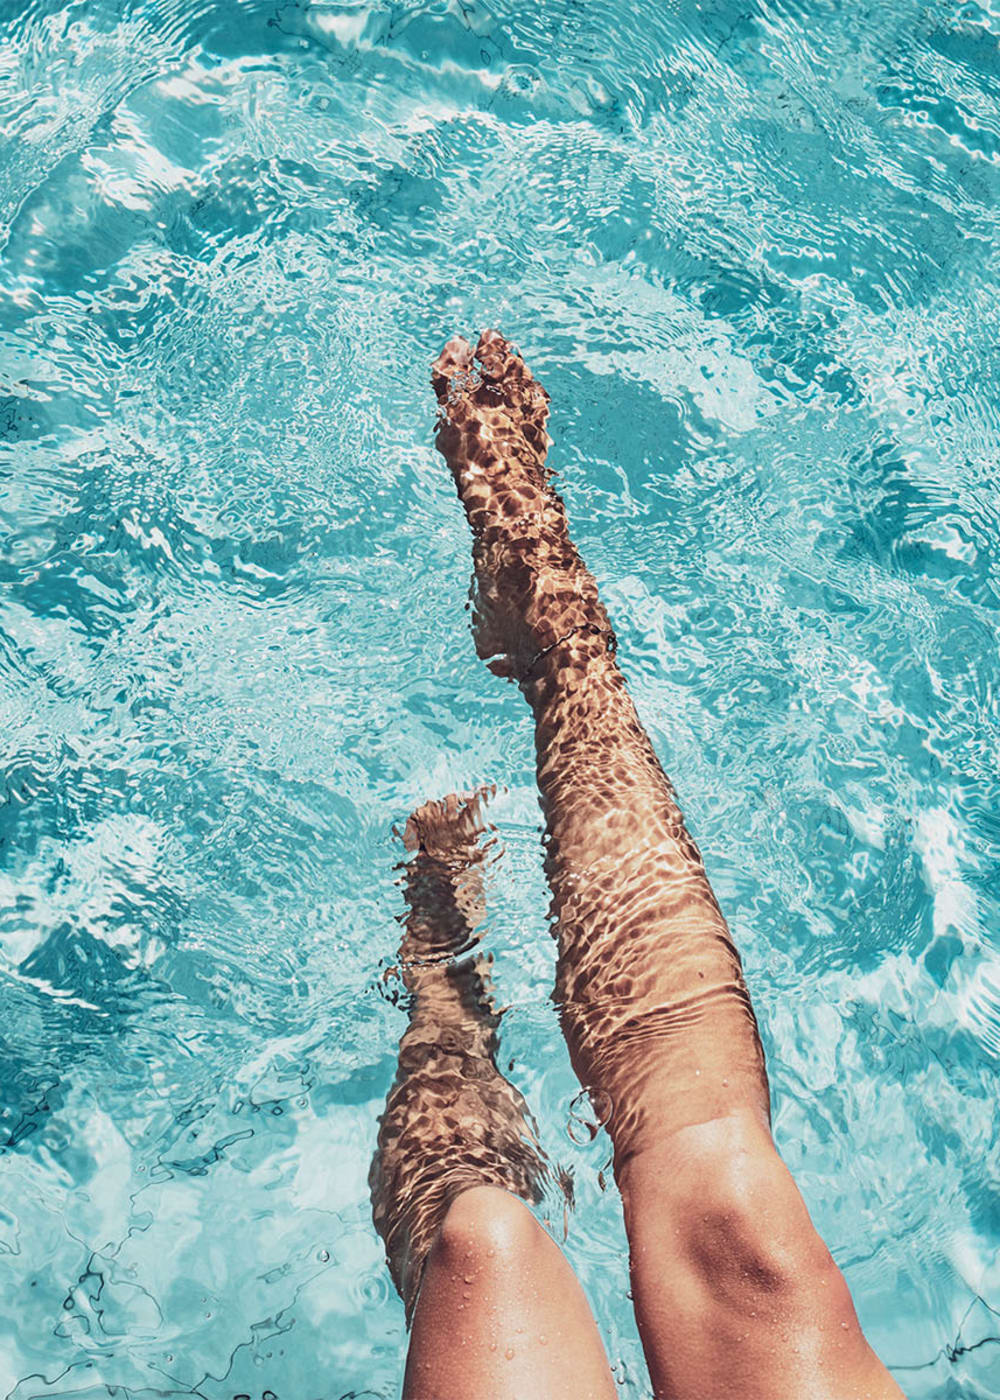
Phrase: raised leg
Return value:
(735, 1293)
(495, 1308)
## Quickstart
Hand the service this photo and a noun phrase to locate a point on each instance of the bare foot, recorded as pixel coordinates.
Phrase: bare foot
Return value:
(532, 590)
(443, 879)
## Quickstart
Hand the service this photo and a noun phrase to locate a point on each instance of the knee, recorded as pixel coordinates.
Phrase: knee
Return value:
(747, 1233)
(740, 1231)
(486, 1228)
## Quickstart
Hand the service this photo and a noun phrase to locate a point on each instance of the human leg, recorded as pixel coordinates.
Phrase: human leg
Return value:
(735, 1293)
(501, 1315)
(495, 1308)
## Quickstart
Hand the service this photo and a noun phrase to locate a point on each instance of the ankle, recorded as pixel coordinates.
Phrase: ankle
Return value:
(586, 651)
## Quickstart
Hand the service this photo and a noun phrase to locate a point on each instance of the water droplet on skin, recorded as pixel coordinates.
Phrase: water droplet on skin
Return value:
(509, 1353)
(493, 1346)
(468, 1278)
(543, 1341)
(323, 1256)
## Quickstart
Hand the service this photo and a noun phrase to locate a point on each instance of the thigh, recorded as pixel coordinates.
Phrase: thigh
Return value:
(501, 1315)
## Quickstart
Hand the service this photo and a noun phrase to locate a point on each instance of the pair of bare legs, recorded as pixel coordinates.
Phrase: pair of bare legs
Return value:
(735, 1293)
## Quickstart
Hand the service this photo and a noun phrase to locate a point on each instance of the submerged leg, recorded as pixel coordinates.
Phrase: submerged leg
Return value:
(496, 1310)
(735, 1293)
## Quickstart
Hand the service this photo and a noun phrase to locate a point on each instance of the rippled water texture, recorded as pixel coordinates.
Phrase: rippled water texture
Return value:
(746, 247)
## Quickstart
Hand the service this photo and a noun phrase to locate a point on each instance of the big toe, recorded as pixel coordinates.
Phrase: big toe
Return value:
(454, 359)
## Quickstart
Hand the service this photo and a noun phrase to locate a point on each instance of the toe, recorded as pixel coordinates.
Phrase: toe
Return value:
(506, 375)
(439, 826)
(495, 355)
(455, 359)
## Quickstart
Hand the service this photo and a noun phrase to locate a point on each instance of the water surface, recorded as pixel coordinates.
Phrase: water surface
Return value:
(750, 249)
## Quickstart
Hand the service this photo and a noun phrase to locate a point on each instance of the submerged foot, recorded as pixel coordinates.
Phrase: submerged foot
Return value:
(442, 880)
(532, 590)
(451, 1121)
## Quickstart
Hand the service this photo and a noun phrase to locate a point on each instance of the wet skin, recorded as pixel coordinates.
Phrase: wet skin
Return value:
(735, 1294)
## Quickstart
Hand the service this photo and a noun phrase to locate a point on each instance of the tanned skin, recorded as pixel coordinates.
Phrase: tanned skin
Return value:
(736, 1296)
(497, 1312)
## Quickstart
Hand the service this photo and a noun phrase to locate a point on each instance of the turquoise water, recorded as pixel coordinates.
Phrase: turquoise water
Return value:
(747, 247)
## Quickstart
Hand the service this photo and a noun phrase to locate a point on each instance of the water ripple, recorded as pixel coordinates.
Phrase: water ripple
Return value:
(749, 249)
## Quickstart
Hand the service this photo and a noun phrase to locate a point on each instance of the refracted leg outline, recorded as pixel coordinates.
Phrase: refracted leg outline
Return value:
(496, 1311)
(735, 1294)
(452, 1121)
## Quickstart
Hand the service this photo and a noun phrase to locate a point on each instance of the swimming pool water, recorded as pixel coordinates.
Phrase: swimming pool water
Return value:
(750, 250)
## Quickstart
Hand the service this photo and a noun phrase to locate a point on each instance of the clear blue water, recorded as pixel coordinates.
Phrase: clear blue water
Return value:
(747, 247)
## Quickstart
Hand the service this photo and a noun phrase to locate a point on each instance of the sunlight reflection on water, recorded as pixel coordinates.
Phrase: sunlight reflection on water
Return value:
(747, 248)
